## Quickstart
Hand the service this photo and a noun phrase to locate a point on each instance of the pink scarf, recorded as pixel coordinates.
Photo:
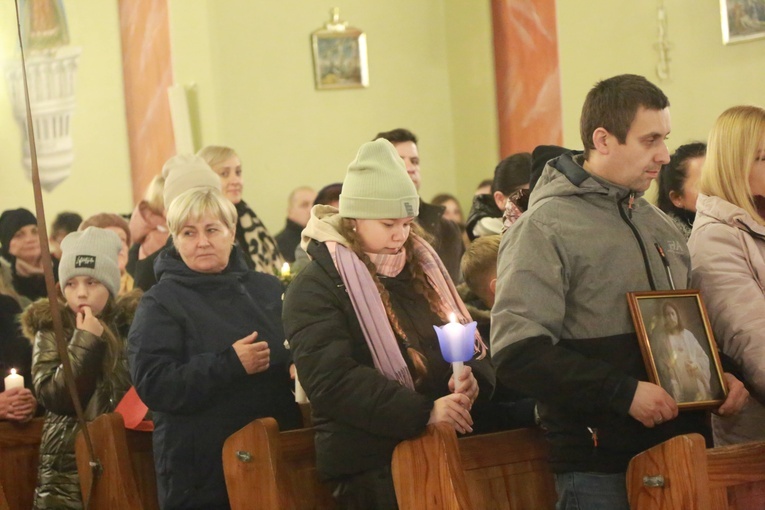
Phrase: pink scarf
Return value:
(370, 310)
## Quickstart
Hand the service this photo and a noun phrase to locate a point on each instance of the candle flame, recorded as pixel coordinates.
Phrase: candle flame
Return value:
(452, 317)
(13, 371)
(286, 269)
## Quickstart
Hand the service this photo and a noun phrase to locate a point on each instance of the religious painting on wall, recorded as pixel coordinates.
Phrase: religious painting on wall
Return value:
(339, 55)
(742, 20)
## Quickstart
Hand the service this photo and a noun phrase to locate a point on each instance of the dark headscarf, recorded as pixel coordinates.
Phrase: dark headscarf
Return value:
(11, 221)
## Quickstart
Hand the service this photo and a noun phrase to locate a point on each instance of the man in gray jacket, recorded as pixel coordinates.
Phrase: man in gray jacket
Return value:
(561, 328)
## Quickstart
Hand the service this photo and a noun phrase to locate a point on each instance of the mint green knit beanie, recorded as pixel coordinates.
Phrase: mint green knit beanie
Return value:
(377, 186)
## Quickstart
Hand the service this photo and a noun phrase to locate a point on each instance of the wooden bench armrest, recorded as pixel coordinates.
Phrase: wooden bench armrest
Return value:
(427, 471)
(682, 473)
(116, 487)
(265, 468)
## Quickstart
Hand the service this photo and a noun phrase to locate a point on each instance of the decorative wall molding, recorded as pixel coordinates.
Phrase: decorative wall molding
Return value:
(51, 80)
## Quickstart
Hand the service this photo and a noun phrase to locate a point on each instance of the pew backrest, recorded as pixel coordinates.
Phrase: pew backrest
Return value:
(268, 469)
(19, 458)
(506, 470)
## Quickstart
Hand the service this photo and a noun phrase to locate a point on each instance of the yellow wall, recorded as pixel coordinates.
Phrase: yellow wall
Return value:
(706, 76)
(249, 67)
(254, 81)
(470, 50)
(99, 178)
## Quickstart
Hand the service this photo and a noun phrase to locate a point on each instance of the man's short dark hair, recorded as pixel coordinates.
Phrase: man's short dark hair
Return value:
(329, 193)
(67, 222)
(512, 173)
(613, 103)
(673, 175)
(398, 135)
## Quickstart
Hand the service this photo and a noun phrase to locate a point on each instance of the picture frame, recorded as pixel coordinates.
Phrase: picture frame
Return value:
(742, 20)
(339, 55)
(678, 346)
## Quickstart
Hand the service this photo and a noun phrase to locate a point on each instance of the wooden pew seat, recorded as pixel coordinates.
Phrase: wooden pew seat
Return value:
(683, 474)
(268, 469)
(19, 458)
(505, 470)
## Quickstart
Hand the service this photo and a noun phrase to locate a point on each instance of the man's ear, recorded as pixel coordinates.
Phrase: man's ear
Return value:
(493, 286)
(500, 200)
(602, 140)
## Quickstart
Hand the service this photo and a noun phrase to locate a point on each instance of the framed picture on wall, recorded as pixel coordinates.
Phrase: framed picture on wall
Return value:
(339, 55)
(742, 20)
(678, 346)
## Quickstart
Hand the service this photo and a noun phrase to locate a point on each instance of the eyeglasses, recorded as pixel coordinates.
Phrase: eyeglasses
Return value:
(520, 198)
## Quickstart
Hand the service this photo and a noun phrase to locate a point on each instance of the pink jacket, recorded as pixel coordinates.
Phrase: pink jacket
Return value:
(728, 265)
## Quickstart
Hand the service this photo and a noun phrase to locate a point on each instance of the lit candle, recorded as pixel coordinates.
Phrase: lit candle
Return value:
(285, 270)
(300, 396)
(457, 343)
(14, 381)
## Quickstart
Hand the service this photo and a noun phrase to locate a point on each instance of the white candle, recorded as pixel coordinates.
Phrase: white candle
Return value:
(455, 332)
(285, 270)
(300, 396)
(14, 381)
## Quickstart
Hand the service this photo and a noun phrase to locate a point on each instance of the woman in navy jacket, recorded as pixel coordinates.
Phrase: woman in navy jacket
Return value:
(207, 351)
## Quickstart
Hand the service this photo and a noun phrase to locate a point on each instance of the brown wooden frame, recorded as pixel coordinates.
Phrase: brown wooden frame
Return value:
(707, 343)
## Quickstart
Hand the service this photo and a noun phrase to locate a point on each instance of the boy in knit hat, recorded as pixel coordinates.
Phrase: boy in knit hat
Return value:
(95, 326)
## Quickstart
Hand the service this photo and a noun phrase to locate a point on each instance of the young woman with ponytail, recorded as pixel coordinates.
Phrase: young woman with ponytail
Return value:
(359, 320)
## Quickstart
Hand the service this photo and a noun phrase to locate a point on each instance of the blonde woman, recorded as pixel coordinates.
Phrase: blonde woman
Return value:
(727, 248)
(206, 350)
(252, 235)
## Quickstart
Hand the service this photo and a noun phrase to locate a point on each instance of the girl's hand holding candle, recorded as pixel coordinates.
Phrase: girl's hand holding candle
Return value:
(467, 384)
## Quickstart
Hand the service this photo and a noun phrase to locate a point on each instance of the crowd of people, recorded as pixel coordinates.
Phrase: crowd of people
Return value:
(186, 299)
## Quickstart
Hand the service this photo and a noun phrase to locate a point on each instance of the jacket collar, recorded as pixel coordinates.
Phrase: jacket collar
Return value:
(723, 211)
(565, 175)
(169, 264)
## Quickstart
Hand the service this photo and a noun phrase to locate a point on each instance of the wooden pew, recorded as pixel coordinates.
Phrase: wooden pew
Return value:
(19, 457)
(127, 481)
(505, 470)
(683, 474)
(3, 500)
(268, 469)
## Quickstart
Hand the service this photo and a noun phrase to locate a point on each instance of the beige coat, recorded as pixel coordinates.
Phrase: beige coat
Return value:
(728, 264)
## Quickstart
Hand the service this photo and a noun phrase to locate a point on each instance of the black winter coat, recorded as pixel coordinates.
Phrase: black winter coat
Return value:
(359, 415)
(447, 237)
(185, 369)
